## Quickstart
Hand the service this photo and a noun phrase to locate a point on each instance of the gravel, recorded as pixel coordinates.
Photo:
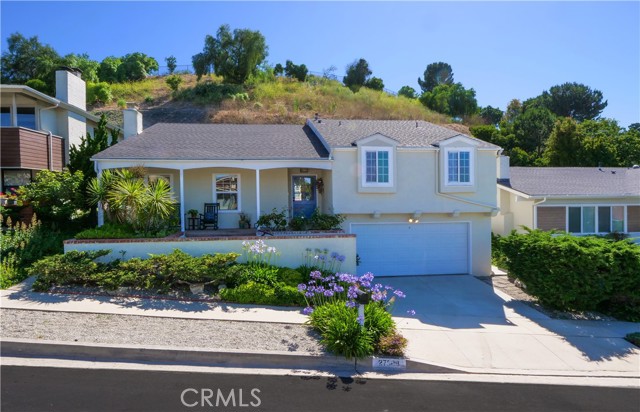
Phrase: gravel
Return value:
(145, 330)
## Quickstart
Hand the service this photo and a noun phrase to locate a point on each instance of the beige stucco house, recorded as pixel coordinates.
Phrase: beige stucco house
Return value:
(578, 200)
(37, 130)
(418, 197)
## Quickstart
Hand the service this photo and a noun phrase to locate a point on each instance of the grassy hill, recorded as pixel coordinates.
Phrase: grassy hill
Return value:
(280, 100)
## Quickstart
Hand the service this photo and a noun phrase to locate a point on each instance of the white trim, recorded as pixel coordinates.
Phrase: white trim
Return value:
(463, 138)
(472, 155)
(261, 164)
(215, 192)
(469, 237)
(182, 212)
(565, 197)
(376, 136)
(257, 194)
(363, 165)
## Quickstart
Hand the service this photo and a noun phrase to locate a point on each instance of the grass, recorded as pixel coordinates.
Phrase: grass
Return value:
(280, 101)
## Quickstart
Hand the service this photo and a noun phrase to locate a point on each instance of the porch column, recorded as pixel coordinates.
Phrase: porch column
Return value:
(182, 229)
(14, 111)
(257, 194)
(100, 210)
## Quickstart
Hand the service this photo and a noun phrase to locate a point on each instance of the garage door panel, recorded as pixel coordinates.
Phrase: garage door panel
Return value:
(398, 249)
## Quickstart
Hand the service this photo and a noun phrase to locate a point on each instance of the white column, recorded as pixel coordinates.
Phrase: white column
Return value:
(100, 210)
(257, 194)
(14, 112)
(182, 229)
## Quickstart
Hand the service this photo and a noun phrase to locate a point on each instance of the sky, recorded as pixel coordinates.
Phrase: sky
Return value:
(503, 50)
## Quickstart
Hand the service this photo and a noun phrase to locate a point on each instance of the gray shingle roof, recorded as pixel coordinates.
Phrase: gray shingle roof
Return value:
(175, 141)
(343, 133)
(575, 181)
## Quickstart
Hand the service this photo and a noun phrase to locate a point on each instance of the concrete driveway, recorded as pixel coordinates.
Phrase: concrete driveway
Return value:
(464, 323)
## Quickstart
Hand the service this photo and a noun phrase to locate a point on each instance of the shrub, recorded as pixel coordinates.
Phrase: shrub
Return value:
(122, 103)
(38, 85)
(392, 344)
(290, 276)
(259, 274)
(174, 81)
(633, 338)
(377, 321)
(21, 245)
(262, 294)
(209, 92)
(121, 231)
(274, 220)
(73, 267)
(99, 93)
(576, 273)
(340, 330)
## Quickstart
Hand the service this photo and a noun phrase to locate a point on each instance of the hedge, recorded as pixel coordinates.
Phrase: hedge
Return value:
(575, 273)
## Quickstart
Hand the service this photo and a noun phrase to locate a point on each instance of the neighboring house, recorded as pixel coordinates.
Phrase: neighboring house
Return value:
(37, 130)
(579, 200)
(418, 196)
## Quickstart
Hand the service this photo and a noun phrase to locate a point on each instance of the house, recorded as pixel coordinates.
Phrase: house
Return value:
(579, 200)
(37, 130)
(419, 197)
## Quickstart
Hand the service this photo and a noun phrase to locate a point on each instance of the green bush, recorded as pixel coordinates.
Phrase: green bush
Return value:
(21, 245)
(99, 93)
(70, 268)
(209, 92)
(274, 220)
(290, 276)
(262, 294)
(174, 81)
(377, 321)
(121, 231)
(576, 273)
(259, 274)
(633, 338)
(340, 330)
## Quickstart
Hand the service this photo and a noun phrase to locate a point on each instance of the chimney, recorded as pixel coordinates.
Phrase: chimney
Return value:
(70, 88)
(132, 120)
(503, 167)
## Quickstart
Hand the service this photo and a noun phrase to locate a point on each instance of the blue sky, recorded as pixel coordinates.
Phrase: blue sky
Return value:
(504, 50)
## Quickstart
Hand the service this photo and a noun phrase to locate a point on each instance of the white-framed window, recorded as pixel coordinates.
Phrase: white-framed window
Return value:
(595, 219)
(459, 166)
(377, 166)
(226, 191)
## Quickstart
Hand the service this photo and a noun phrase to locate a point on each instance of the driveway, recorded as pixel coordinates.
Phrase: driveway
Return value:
(463, 322)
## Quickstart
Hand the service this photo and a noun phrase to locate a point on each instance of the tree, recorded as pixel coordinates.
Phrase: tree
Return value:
(374, 83)
(451, 99)
(82, 61)
(136, 66)
(436, 74)
(26, 59)
(108, 69)
(329, 73)
(235, 56)
(627, 148)
(514, 109)
(573, 100)
(80, 155)
(295, 71)
(278, 70)
(598, 145)
(491, 115)
(357, 74)
(565, 144)
(171, 64)
(38, 85)
(532, 129)
(634, 126)
(408, 92)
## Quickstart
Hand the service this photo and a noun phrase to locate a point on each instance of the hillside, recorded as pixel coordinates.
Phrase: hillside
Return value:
(279, 101)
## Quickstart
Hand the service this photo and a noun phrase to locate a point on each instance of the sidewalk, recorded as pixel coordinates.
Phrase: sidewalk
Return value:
(461, 323)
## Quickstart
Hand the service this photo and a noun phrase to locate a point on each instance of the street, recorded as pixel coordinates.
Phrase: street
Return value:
(68, 389)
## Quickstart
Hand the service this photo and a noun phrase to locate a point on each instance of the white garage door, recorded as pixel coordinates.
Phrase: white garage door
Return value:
(398, 249)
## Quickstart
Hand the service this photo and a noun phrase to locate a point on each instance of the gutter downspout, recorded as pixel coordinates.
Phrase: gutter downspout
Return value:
(535, 211)
(50, 135)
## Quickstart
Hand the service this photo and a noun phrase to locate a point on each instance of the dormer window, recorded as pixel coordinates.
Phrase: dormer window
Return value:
(459, 167)
(377, 166)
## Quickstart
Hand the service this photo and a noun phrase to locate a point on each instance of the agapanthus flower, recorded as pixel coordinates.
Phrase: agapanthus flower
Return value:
(302, 287)
(308, 310)
(411, 312)
(399, 293)
(350, 304)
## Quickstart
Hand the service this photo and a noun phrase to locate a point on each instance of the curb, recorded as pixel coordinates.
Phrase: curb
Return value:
(27, 348)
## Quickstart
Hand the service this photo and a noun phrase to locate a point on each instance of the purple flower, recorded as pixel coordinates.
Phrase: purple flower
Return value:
(351, 304)
(367, 277)
(360, 320)
(309, 294)
(338, 288)
(316, 274)
(334, 255)
(352, 293)
(341, 258)
(411, 312)
(307, 311)
(388, 287)
(377, 296)
(328, 293)
(302, 287)
(399, 294)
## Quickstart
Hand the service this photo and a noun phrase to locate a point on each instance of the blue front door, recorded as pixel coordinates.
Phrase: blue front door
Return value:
(304, 195)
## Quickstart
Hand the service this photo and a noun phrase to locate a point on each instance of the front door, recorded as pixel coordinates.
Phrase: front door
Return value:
(304, 195)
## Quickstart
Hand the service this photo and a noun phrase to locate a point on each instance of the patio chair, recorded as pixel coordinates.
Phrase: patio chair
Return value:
(210, 216)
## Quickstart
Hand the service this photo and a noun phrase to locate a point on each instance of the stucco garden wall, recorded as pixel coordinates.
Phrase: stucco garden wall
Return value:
(292, 248)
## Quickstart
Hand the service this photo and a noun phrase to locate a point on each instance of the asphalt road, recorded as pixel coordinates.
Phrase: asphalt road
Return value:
(65, 389)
